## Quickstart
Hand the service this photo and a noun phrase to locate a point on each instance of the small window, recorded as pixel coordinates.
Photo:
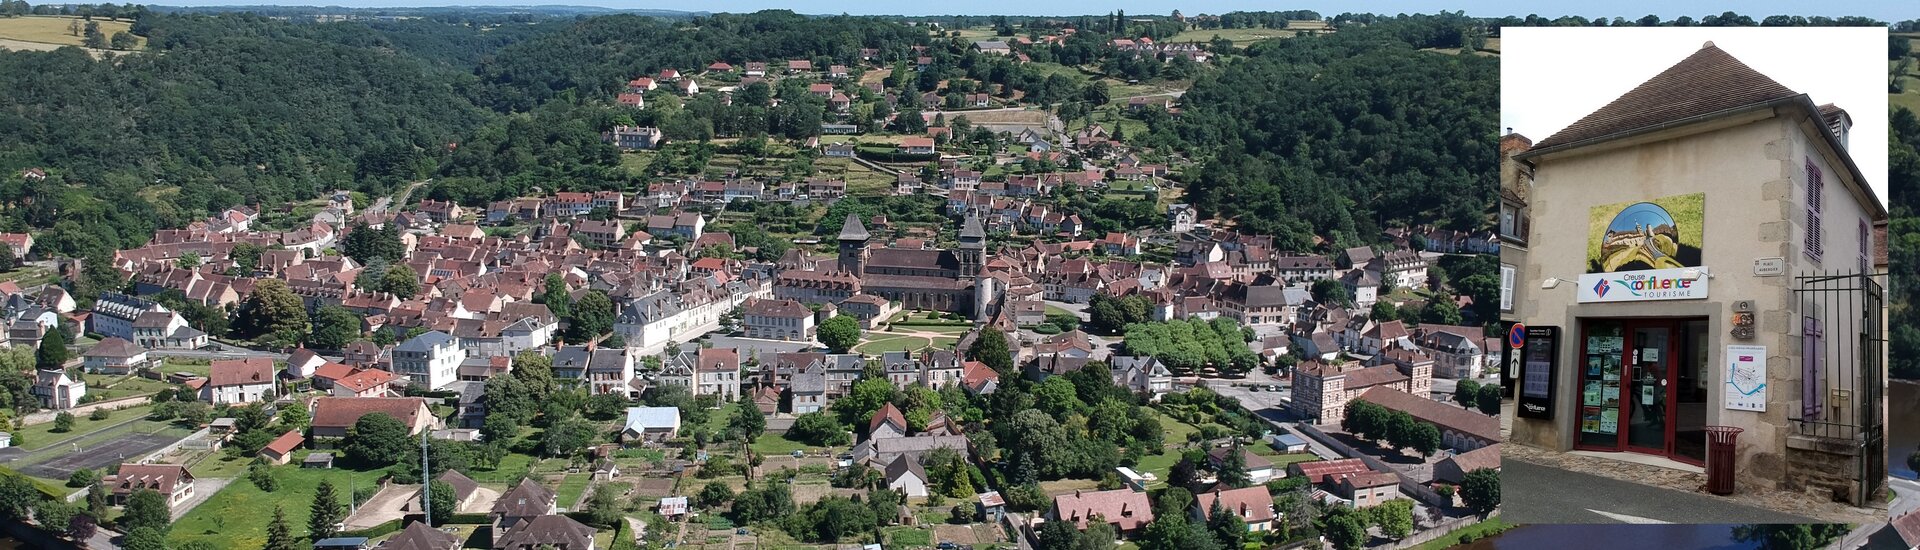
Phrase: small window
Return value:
(1814, 241)
(1506, 287)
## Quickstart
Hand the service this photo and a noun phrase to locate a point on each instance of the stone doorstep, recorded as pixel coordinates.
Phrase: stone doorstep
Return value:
(1783, 501)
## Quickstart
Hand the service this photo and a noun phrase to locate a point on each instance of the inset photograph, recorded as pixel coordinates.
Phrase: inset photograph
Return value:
(1697, 321)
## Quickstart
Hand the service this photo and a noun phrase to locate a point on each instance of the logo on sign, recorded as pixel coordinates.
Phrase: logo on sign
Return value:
(1600, 288)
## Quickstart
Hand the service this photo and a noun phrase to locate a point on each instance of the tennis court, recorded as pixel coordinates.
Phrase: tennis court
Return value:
(130, 446)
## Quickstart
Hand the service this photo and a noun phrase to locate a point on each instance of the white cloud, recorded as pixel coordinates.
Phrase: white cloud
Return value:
(1550, 77)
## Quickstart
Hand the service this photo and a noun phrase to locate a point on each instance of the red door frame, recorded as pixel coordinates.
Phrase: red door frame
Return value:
(1627, 408)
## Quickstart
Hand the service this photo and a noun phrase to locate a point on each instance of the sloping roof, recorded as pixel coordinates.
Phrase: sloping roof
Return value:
(1709, 81)
(555, 530)
(418, 536)
(284, 444)
(426, 342)
(1908, 526)
(903, 465)
(463, 486)
(114, 346)
(364, 379)
(1252, 504)
(1443, 415)
(343, 412)
(237, 372)
(1318, 470)
(525, 500)
(161, 478)
(852, 230)
(719, 360)
(1254, 461)
(640, 419)
(1123, 507)
(887, 414)
(1484, 457)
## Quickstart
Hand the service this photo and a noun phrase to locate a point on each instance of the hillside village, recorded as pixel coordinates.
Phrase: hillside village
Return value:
(950, 318)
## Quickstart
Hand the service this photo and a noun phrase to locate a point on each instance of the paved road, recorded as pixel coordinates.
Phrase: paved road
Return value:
(1906, 494)
(217, 350)
(1533, 493)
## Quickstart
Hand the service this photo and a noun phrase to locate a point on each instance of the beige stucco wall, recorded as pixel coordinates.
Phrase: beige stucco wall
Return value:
(1752, 174)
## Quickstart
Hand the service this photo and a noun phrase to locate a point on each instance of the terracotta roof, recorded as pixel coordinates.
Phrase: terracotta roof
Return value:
(1124, 508)
(1374, 376)
(1369, 479)
(1484, 457)
(284, 444)
(1709, 81)
(1443, 415)
(333, 371)
(1252, 504)
(1908, 526)
(364, 379)
(236, 372)
(342, 412)
(719, 360)
(887, 413)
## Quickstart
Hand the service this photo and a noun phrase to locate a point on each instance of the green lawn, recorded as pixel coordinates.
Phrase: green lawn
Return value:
(1911, 79)
(41, 435)
(195, 367)
(572, 488)
(1484, 529)
(774, 445)
(221, 465)
(886, 343)
(116, 387)
(908, 537)
(1240, 37)
(232, 518)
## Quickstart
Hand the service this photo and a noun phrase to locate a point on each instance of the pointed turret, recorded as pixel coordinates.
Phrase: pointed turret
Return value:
(853, 230)
(971, 230)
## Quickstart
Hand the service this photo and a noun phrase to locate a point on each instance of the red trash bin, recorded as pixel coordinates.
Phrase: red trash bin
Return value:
(1720, 446)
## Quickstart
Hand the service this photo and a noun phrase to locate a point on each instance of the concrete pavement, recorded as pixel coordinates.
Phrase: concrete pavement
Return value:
(1533, 493)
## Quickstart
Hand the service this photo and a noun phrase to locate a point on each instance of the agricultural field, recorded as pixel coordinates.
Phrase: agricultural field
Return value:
(230, 519)
(1240, 37)
(56, 30)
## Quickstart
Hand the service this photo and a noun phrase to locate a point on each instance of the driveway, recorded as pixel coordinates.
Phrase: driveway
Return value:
(203, 489)
(386, 505)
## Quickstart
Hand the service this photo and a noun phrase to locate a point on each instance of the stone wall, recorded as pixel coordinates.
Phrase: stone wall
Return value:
(1818, 466)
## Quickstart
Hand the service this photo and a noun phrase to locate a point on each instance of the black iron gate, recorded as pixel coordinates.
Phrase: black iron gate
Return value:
(1843, 394)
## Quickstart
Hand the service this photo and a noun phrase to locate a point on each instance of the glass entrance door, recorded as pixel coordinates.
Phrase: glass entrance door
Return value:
(1649, 381)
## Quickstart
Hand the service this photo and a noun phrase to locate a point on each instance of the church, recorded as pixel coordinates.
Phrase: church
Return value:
(949, 280)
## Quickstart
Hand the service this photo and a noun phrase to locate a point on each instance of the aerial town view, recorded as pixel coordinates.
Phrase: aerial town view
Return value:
(582, 278)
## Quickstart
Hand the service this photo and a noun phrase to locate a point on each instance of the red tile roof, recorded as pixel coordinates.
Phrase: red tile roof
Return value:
(1252, 504)
(365, 379)
(719, 360)
(342, 412)
(1443, 415)
(1319, 471)
(886, 414)
(236, 372)
(284, 444)
(1126, 509)
(161, 478)
(333, 371)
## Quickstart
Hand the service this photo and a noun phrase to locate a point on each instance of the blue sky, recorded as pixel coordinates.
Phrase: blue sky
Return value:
(1883, 9)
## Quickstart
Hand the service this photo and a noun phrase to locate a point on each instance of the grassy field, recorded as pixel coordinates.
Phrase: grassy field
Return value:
(41, 435)
(1910, 98)
(231, 518)
(636, 161)
(27, 276)
(861, 180)
(1489, 527)
(1240, 37)
(572, 488)
(774, 445)
(56, 29)
(908, 537)
(886, 343)
(116, 387)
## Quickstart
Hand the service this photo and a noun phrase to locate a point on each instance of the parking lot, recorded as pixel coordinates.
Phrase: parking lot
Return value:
(126, 447)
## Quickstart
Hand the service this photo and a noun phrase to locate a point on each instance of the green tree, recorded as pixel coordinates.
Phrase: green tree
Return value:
(1233, 468)
(555, 295)
(1395, 517)
(1441, 310)
(867, 396)
(1467, 393)
(246, 258)
(1489, 400)
(143, 538)
(566, 437)
(324, 517)
(747, 422)
(1480, 490)
(121, 40)
(603, 507)
(53, 353)
(442, 505)
(295, 416)
(8, 261)
(1425, 439)
(962, 514)
(188, 260)
(1226, 526)
(1346, 532)
(279, 535)
(377, 439)
(1331, 292)
(819, 428)
(146, 509)
(83, 477)
(273, 312)
(840, 333)
(54, 514)
(715, 494)
(591, 316)
(63, 422)
(991, 348)
(334, 327)
(400, 281)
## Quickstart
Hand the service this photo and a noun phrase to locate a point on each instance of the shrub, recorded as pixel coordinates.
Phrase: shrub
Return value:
(262, 478)
(98, 414)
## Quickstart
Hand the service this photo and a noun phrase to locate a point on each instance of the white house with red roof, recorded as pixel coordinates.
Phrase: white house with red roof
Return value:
(236, 381)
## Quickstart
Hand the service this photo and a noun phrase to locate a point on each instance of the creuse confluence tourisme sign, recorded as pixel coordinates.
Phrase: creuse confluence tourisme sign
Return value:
(1649, 284)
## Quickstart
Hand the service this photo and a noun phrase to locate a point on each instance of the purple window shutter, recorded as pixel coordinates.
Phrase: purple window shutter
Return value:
(1812, 363)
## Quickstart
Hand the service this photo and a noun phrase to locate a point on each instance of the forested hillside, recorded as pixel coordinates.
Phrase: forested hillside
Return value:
(1347, 134)
(1903, 241)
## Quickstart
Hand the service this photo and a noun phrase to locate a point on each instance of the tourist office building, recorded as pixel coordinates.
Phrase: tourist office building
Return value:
(1699, 253)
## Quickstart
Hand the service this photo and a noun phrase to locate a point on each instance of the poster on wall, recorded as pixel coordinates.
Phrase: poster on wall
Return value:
(1746, 388)
(1539, 360)
(1648, 250)
(1663, 233)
